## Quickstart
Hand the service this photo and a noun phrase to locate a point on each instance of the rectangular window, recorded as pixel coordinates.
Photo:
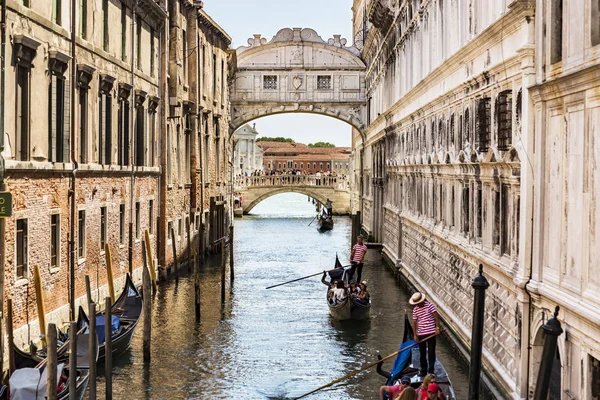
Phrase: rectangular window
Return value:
(504, 119)
(452, 207)
(83, 18)
(55, 241)
(105, 129)
(214, 71)
(321, 166)
(504, 221)
(206, 148)
(152, 144)
(479, 211)
(270, 82)
(81, 234)
(26, 3)
(188, 151)
(103, 226)
(152, 50)
(497, 217)
(105, 25)
(138, 42)
(179, 228)
(137, 220)
(484, 122)
(197, 221)
(59, 119)
(122, 223)
(595, 30)
(169, 151)
(185, 56)
(594, 367)
(323, 82)
(217, 147)
(22, 106)
(83, 124)
(556, 30)
(123, 32)
(169, 230)
(140, 137)
(465, 205)
(56, 11)
(123, 133)
(223, 80)
(178, 153)
(22, 249)
(151, 216)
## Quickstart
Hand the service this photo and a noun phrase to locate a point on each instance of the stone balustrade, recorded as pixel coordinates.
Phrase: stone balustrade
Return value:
(336, 182)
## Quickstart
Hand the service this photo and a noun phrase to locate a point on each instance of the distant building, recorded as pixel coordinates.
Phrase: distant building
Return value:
(282, 156)
(248, 156)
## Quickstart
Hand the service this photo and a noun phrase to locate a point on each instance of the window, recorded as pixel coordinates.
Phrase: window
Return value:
(206, 148)
(22, 103)
(467, 136)
(595, 32)
(105, 128)
(59, 118)
(484, 121)
(479, 211)
(123, 132)
(465, 206)
(22, 249)
(188, 151)
(594, 366)
(103, 225)
(270, 82)
(178, 152)
(301, 165)
(452, 207)
(197, 222)
(497, 217)
(105, 24)
(152, 51)
(140, 136)
(169, 231)
(169, 160)
(217, 147)
(214, 71)
(179, 228)
(138, 44)
(83, 18)
(123, 31)
(152, 144)
(81, 237)
(56, 11)
(137, 220)
(55, 241)
(504, 119)
(122, 223)
(323, 82)
(151, 216)
(223, 80)
(83, 134)
(504, 221)
(26, 3)
(556, 30)
(321, 166)
(327, 165)
(314, 165)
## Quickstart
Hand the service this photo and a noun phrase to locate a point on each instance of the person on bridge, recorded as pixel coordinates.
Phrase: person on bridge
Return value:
(329, 206)
(426, 322)
(356, 257)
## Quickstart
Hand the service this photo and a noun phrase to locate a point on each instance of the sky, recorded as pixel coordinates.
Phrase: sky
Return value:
(243, 18)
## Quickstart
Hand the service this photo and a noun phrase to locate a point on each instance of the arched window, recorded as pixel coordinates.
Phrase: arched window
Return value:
(301, 165)
(467, 129)
(451, 131)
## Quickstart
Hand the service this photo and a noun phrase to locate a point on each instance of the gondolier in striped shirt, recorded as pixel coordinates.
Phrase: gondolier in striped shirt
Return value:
(426, 322)
(356, 257)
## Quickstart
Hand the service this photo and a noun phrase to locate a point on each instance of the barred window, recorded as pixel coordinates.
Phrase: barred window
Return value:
(22, 249)
(270, 82)
(324, 82)
(504, 119)
(484, 120)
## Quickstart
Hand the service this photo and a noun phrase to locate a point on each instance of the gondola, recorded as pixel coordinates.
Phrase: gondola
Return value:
(407, 364)
(325, 222)
(126, 313)
(349, 308)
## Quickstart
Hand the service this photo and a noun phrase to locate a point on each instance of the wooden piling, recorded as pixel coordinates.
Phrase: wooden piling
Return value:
(92, 350)
(109, 275)
(147, 309)
(108, 348)
(88, 289)
(197, 267)
(222, 271)
(189, 245)
(150, 261)
(174, 247)
(39, 298)
(73, 360)
(51, 364)
(10, 334)
(231, 272)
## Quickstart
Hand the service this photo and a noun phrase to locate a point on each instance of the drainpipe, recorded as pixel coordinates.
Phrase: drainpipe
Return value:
(132, 136)
(2, 185)
(73, 160)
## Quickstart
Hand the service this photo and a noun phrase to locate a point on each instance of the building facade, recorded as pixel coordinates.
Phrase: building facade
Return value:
(284, 157)
(248, 156)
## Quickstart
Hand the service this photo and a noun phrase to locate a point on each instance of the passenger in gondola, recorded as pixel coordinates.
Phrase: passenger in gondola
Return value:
(407, 394)
(364, 293)
(324, 281)
(339, 292)
(395, 390)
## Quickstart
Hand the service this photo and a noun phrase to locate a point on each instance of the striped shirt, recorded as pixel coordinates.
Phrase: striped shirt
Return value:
(359, 250)
(423, 314)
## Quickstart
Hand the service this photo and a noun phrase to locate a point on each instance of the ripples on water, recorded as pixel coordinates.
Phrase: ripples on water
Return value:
(270, 344)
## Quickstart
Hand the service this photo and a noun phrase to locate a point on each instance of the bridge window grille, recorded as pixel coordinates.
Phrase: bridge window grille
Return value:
(504, 119)
(324, 82)
(270, 82)
(484, 120)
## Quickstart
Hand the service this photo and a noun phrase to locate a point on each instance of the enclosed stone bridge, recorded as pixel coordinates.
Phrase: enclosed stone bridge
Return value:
(255, 189)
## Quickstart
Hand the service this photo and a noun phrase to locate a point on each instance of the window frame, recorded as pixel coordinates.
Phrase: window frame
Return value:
(22, 248)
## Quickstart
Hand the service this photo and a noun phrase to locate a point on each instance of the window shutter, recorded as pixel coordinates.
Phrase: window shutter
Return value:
(67, 120)
(53, 111)
(108, 128)
(102, 132)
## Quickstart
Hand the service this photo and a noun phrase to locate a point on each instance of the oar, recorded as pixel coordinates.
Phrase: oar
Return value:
(65, 344)
(367, 367)
(313, 220)
(299, 279)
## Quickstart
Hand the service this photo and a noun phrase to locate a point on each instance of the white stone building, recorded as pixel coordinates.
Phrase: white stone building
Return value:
(248, 156)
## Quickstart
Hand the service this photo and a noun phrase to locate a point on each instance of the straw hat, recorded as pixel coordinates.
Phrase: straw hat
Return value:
(416, 298)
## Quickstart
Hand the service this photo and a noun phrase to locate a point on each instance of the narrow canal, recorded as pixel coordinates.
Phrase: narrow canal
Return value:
(270, 344)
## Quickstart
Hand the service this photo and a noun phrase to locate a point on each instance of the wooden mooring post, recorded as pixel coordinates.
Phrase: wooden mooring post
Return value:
(10, 333)
(189, 244)
(197, 266)
(88, 289)
(223, 271)
(231, 271)
(150, 261)
(52, 378)
(147, 334)
(174, 247)
(39, 298)
(108, 348)
(93, 337)
(73, 359)
(109, 275)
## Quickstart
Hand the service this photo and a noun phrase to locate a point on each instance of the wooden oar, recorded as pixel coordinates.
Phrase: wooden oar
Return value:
(304, 277)
(313, 220)
(65, 344)
(367, 367)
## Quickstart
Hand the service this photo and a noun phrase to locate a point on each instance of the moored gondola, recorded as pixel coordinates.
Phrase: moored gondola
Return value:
(407, 365)
(126, 313)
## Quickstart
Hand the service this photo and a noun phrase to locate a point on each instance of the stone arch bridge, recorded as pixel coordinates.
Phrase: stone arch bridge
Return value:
(255, 189)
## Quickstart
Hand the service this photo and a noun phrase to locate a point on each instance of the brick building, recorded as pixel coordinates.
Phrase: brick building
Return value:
(284, 156)
(88, 131)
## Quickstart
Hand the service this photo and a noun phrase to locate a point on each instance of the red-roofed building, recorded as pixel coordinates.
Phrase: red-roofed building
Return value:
(284, 156)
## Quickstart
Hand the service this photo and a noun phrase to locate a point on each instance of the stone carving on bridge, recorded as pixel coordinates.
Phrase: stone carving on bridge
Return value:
(298, 71)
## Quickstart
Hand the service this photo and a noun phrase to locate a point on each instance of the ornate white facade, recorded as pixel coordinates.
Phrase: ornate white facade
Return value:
(247, 156)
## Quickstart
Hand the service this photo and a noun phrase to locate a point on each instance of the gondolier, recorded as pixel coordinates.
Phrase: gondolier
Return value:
(425, 322)
(356, 257)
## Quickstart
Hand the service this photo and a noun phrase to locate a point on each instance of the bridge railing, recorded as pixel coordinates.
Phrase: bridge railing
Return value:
(337, 182)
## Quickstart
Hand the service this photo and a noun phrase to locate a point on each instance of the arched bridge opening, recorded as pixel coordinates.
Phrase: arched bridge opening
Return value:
(340, 198)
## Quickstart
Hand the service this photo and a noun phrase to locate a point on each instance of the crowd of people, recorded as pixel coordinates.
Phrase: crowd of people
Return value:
(339, 291)
(429, 389)
(287, 171)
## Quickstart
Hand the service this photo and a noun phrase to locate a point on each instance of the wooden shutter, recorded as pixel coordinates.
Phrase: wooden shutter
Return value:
(53, 114)
(67, 120)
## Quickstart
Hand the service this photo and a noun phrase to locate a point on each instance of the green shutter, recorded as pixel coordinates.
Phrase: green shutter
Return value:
(52, 124)
(67, 120)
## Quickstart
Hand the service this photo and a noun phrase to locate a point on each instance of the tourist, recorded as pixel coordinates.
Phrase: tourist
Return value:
(363, 293)
(329, 206)
(425, 322)
(407, 394)
(318, 178)
(395, 390)
(356, 257)
(422, 390)
(339, 292)
(328, 284)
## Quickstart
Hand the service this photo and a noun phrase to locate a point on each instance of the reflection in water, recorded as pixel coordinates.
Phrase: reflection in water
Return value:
(269, 344)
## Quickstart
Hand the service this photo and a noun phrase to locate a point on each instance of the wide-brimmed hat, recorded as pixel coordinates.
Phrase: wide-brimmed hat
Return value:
(364, 283)
(416, 298)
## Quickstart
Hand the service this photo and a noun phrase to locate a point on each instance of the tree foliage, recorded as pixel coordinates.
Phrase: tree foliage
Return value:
(321, 144)
(275, 139)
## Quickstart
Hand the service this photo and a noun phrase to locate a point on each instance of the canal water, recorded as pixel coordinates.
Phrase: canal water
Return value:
(277, 343)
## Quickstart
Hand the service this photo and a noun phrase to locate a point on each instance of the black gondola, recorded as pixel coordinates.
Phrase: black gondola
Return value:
(325, 222)
(126, 311)
(407, 364)
(350, 308)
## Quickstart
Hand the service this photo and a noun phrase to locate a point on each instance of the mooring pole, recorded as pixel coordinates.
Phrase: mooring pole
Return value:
(552, 330)
(11, 343)
(108, 348)
(189, 245)
(147, 308)
(231, 272)
(52, 378)
(73, 359)
(480, 284)
(92, 350)
(222, 271)
(88, 289)
(198, 266)
(174, 246)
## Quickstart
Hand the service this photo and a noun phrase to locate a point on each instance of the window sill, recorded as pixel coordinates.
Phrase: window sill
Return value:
(122, 246)
(21, 282)
(54, 270)
(188, 185)
(170, 186)
(81, 261)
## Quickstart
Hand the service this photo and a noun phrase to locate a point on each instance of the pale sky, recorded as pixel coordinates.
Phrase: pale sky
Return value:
(243, 18)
